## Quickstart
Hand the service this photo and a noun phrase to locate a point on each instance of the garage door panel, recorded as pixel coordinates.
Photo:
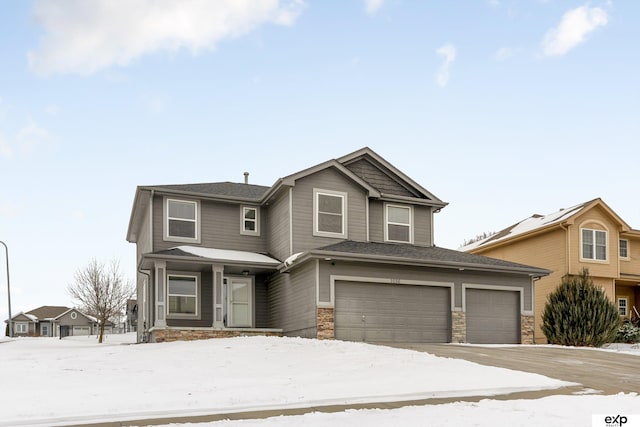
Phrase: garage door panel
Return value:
(392, 313)
(492, 316)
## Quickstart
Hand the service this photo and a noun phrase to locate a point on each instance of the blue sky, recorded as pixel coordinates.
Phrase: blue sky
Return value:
(501, 108)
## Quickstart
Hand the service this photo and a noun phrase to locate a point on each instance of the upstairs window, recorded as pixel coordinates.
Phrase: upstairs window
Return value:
(398, 224)
(250, 218)
(329, 218)
(594, 244)
(182, 220)
(624, 248)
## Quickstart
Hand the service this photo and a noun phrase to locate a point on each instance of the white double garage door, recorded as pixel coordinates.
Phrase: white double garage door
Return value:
(384, 312)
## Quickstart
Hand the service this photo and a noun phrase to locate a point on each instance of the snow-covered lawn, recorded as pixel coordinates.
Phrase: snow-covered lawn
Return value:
(78, 380)
(565, 411)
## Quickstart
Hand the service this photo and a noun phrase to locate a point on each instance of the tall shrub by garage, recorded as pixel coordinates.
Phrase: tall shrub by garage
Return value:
(578, 313)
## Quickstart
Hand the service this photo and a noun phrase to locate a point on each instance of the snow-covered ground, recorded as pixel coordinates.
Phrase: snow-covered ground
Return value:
(48, 381)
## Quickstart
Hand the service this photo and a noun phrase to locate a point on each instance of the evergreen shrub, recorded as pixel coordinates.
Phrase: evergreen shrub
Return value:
(578, 313)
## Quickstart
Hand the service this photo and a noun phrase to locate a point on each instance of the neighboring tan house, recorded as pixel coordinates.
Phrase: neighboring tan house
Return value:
(343, 249)
(54, 321)
(589, 235)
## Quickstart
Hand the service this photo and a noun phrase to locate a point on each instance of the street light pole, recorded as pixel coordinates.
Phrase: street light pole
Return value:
(6, 250)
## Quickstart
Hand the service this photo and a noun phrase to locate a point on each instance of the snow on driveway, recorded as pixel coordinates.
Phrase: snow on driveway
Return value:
(77, 379)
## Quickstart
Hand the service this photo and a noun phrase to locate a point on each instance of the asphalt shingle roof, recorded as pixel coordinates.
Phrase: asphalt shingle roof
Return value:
(427, 254)
(228, 189)
(48, 311)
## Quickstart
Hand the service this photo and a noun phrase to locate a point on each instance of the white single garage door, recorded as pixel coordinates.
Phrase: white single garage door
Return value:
(492, 316)
(377, 312)
(81, 330)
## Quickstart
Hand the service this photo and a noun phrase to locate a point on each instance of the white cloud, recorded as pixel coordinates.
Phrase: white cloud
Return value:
(449, 53)
(576, 24)
(5, 149)
(31, 135)
(52, 109)
(505, 53)
(83, 37)
(372, 6)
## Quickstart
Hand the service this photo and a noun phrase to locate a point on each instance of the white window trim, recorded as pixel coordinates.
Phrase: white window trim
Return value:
(594, 259)
(197, 315)
(244, 231)
(626, 306)
(73, 315)
(44, 326)
(343, 196)
(21, 328)
(387, 223)
(628, 257)
(166, 235)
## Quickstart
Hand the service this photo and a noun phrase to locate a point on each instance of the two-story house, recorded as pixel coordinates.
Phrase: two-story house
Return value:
(589, 235)
(343, 250)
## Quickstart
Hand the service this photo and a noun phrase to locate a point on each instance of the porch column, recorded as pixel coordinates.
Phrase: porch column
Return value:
(160, 320)
(218, 303)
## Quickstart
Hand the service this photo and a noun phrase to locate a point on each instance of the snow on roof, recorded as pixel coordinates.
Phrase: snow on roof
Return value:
(532, 223)
(229, 255)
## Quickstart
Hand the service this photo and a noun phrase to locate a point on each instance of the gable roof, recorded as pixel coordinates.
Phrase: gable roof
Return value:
(48, 312)
(427, 256)
(539, 223)
(376, 161)
(259, 194)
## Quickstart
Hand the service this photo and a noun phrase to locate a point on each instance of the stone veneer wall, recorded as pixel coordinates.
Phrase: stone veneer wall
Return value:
(325, 324)
(458, 327)
(168, 335)
(527, 329)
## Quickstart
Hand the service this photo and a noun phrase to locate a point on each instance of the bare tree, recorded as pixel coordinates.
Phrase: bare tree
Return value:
(102, 291)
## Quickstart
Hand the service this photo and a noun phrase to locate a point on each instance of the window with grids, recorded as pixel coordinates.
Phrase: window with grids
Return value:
(250, 218)
(622, 306)
(329, 218)
(182, 219)
(398, 227)
(22, 328)
(624, 248)
(182, 295)
(594, 244)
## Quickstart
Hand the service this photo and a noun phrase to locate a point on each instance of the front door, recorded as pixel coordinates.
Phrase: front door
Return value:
(239, 302)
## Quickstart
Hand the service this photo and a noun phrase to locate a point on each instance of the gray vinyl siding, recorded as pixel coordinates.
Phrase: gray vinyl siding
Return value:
(378, 179)
(219, 227)
(66, 320)
(292, 301)
(206, 304)
(278, 226)
(390, 271)
(261, 303)
(376, 221)
(332, 180)
(422, 219)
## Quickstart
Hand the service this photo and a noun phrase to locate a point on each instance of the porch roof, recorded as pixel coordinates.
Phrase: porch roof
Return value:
(213, 255)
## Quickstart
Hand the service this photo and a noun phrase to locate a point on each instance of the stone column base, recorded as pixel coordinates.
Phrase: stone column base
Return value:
(325, 326)
(458, 327)
(527, 329)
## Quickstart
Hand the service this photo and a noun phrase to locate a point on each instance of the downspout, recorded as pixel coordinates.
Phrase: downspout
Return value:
(568, 252)
(145, 330)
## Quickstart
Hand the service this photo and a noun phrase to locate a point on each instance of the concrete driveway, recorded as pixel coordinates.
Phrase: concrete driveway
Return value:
(605, 372)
